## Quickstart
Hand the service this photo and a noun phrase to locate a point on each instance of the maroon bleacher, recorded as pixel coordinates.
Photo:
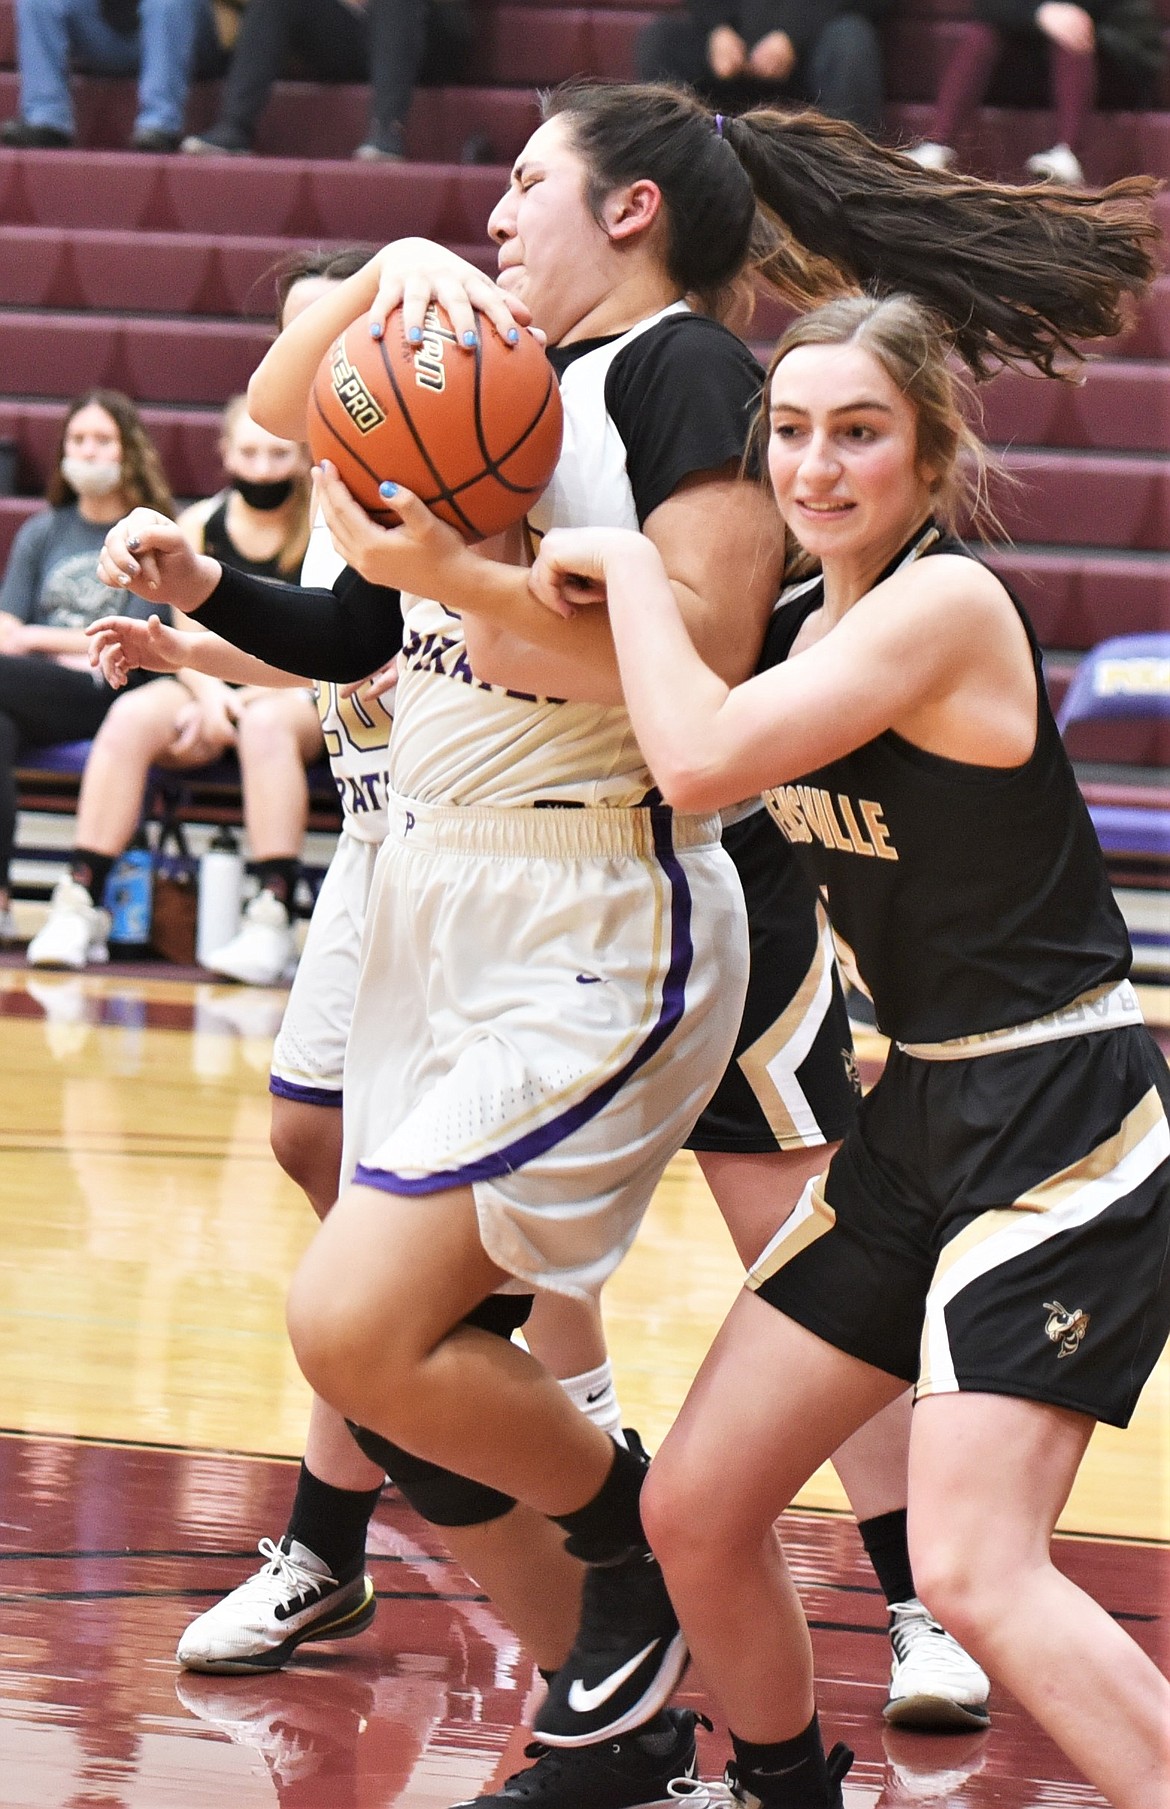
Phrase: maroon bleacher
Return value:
(152, 273)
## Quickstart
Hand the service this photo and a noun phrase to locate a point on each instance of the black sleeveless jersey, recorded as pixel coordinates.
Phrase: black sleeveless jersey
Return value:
(218, 544)
(967, 898)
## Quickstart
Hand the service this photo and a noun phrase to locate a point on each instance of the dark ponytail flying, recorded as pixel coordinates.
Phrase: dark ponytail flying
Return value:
(1018, 275)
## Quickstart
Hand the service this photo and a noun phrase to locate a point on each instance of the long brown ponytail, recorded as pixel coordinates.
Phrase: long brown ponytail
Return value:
(1018, 274)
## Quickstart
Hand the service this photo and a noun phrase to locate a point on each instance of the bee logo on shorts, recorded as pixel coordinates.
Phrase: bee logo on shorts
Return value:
(352, 393)
(1065, 1328)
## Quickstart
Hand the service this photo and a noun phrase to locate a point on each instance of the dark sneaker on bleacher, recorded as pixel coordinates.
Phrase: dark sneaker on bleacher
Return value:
(384, 145)
(19, 135)
(628, 1657)
(633, 1772)
(153, 138)
(217, 141)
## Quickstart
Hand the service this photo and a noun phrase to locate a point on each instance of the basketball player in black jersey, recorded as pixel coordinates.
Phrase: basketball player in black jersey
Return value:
(996, 1227)
(658, 162)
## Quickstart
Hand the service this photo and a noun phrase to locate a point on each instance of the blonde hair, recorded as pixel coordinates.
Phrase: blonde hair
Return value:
(913, 347)
(292, 553)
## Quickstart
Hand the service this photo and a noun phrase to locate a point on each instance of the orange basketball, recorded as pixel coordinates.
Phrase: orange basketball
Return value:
(475, 434)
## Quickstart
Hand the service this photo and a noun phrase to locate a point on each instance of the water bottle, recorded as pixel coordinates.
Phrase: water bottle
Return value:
(127, 895)
(221, 885)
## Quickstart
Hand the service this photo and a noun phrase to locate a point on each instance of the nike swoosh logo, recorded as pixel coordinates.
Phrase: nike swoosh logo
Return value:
(589, 979)
(601, 1392)
(582, 1698)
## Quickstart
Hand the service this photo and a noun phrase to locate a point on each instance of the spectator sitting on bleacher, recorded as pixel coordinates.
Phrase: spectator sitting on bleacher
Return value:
(737, 53)
(1126, 31)
(259, 524)
(168, 42)
(392, 44)
(105, 465)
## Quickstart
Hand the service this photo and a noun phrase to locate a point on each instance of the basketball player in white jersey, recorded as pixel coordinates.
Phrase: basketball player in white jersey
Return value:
(554, 668)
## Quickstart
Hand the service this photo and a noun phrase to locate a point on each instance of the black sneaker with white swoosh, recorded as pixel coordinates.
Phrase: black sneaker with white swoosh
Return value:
(629, 1655)
(636, 1771)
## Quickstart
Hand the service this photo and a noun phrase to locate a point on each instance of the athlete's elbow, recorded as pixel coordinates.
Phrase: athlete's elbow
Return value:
(264, 407)
(688, 785)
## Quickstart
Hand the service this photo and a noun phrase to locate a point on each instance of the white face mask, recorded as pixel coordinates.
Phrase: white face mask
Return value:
(92, 477)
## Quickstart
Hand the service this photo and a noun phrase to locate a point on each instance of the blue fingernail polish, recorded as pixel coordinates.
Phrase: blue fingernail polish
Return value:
(470, 338)
(414, 335)
(387, 489)
(375, 329)
(513, 335)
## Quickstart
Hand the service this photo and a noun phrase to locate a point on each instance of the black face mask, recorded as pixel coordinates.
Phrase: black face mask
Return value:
(264, 496)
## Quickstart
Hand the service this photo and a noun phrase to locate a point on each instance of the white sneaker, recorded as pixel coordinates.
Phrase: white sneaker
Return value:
(75, 932)
(290, 1599)
(1057, 165)
(262, 950)
(930, 156)
(933, 1682)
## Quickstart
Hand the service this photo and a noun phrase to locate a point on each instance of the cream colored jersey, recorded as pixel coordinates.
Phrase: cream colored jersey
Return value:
(463, 742)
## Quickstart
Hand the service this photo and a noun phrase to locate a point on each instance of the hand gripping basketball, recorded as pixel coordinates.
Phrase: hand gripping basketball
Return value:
(473, 432)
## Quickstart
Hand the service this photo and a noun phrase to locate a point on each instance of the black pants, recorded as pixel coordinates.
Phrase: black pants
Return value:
(840, 72)
(392, 44)
(40, 702)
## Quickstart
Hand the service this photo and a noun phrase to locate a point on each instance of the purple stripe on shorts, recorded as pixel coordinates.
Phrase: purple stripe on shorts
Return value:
(289, 1089)
(537, 1143)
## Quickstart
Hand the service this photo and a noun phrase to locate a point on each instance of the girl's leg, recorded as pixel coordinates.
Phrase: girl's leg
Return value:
(568, 1337)
(964, 81)
(40, 702)
(306, 1141)
(989, 1474)
(933, 1682)
(138, 729)
(278, 735)
(755, 1193)
(770, 1403)
(375, 1317)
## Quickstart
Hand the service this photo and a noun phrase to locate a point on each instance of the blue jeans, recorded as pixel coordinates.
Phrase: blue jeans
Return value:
(174, 38)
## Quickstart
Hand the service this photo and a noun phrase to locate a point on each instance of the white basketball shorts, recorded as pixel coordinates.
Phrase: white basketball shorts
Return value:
(547, 999)
(308, 1058)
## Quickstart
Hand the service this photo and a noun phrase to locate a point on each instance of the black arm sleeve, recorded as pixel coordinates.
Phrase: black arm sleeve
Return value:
(343, 634)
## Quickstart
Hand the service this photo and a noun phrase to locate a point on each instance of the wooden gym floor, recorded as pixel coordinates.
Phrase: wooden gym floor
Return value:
(151, 1415)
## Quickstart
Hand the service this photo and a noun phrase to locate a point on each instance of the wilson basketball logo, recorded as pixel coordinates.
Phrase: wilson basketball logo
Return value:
(430, 372)
(352, 393)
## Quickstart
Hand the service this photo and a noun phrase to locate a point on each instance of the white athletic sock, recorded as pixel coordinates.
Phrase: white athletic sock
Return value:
(594, 1393)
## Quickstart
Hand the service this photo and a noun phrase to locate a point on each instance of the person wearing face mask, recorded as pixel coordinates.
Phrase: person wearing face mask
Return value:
(259, 523)
(51, 591)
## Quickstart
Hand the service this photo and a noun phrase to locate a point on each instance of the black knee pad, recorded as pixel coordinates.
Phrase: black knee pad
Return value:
(441, 1496)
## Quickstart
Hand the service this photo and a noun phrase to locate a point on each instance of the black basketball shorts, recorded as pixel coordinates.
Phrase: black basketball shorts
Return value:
(792, 1080)
(999, 1225)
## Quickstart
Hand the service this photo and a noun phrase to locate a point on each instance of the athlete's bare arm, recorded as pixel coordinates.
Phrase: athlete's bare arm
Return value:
(119, 645)
(412, 272)
(936, 653)
(512, 641)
